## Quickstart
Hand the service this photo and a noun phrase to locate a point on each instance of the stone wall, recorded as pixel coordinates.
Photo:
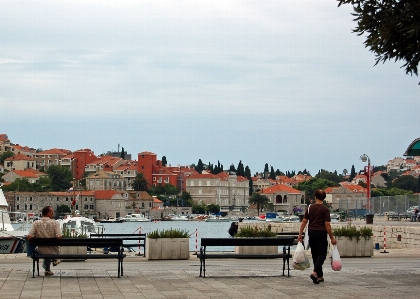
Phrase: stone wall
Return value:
(409, 235)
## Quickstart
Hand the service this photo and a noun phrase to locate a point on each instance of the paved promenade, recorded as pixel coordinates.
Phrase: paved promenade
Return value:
(385, 275)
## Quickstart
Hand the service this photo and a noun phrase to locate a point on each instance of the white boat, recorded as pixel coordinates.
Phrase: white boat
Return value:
(11, 240)
(78, 225)
(179, 217)
(217, 219)
(135, 218)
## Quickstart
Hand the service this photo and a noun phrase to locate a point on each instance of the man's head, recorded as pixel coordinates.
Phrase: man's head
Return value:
(47, 211)
(320, 194)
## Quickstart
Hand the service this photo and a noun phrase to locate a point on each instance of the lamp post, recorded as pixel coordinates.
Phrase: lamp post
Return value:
(368, 174)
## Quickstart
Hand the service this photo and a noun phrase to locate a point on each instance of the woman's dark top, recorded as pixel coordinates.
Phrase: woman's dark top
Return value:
(318, 214)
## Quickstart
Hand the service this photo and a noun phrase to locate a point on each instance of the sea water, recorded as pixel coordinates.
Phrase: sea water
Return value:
(195, 229)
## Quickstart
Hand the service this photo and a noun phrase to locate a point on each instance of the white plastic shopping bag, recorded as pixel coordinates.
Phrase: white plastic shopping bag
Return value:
(300, 260)
(306, 238)
(335, 259)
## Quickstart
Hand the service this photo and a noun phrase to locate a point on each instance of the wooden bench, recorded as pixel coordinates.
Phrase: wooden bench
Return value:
(398, 217)
(88, 242)
(285, 241)
(129, 240)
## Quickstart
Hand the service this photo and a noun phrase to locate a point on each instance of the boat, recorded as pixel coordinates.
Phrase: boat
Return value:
(12, 240)
(213, 218)
(111, 220)
(178, 217)
(77, 225)
(135, 218)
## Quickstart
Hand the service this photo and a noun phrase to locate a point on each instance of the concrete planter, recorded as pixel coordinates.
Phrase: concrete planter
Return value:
(256, 249)
(168, 249)
(354, 248)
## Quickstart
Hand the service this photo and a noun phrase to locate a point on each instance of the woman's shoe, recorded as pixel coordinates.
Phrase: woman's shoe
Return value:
(314, 279)
(320, 279)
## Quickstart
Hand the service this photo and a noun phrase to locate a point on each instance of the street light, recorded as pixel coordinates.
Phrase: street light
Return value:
(368, 174)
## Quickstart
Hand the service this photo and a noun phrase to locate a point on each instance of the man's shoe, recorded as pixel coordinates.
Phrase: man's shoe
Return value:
(48, 273)
(56, 262)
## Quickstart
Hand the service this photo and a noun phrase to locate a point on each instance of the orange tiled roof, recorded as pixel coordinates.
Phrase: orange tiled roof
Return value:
(105, 194)
(19, 157)
(280, 188)
(55, 151)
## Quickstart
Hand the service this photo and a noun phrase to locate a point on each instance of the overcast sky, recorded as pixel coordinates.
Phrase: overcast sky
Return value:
(282, 82)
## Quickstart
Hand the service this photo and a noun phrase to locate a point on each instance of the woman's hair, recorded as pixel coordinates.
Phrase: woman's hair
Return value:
(320, 194)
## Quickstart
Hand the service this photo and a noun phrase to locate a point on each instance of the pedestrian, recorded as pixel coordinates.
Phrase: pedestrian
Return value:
(415, 215)
(319, 228)
(46, 227)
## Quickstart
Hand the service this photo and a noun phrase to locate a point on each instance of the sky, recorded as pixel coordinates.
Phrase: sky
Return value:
(285, 82)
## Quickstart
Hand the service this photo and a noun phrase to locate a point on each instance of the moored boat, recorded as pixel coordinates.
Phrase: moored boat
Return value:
(11, 240)
(79, 225)
(135, 218)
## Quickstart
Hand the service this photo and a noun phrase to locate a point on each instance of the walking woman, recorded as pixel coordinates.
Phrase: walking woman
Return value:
(318, 216)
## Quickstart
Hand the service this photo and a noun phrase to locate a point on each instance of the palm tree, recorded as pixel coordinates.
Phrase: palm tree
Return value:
(140, 183)
(259, 200)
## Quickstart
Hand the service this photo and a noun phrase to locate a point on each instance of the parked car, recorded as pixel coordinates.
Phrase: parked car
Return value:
(410, 211)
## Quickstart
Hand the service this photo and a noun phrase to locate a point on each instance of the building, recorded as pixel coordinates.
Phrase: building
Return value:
(19, 162)
(104, 180)
(284, 198)
(29, 174)
(45, 159)
(229, 191)
(347, 196)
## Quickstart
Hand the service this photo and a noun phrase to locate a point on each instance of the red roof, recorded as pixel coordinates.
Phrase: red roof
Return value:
(279, 188)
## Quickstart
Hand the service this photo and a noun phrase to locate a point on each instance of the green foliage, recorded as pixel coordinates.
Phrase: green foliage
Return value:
(259, 200)
(4, 156)
(405, 182)
(198, 208)
(63, 210)
(168, 233)
(61, 177)
(255, 232)
(200, 166)
(140, 183)
(352, 232)
(389, 192)
(213, 208)
(68, 233)
(309, 186)
(391, 29)
(325, 174)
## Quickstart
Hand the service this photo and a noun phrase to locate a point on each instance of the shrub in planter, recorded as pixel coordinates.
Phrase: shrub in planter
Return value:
(68, 233)
(352, 241)
(255, 232)
(168, 233)
(170, 244)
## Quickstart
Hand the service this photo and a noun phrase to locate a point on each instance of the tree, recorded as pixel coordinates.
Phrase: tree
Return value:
(60, 176)
(200, 166)
(265, 170)
(391, 28)
(4, 156)
(232, 168)
(63, 210)
(122, 153)
(352, 173)
(248, 176)
(309, 186)
(325, 174)
(164, 162)
(272, 174)
(405, 182)
(259, 200)
(213, 208)
(240, 170)
(140, 183)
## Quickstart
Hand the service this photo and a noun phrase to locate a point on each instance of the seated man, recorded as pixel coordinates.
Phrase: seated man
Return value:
(46, 227)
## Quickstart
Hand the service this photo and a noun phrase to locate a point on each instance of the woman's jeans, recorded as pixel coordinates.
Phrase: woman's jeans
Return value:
(319, 246)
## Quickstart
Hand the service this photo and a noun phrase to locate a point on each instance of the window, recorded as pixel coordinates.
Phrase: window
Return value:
(17, 207)
(91, 207)
(279, 199)
(200, 191)
(142, 204)
(154, 179)
(208, 183)
(86, 207)
(150, 204)
(58, 199)
(30, 198)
